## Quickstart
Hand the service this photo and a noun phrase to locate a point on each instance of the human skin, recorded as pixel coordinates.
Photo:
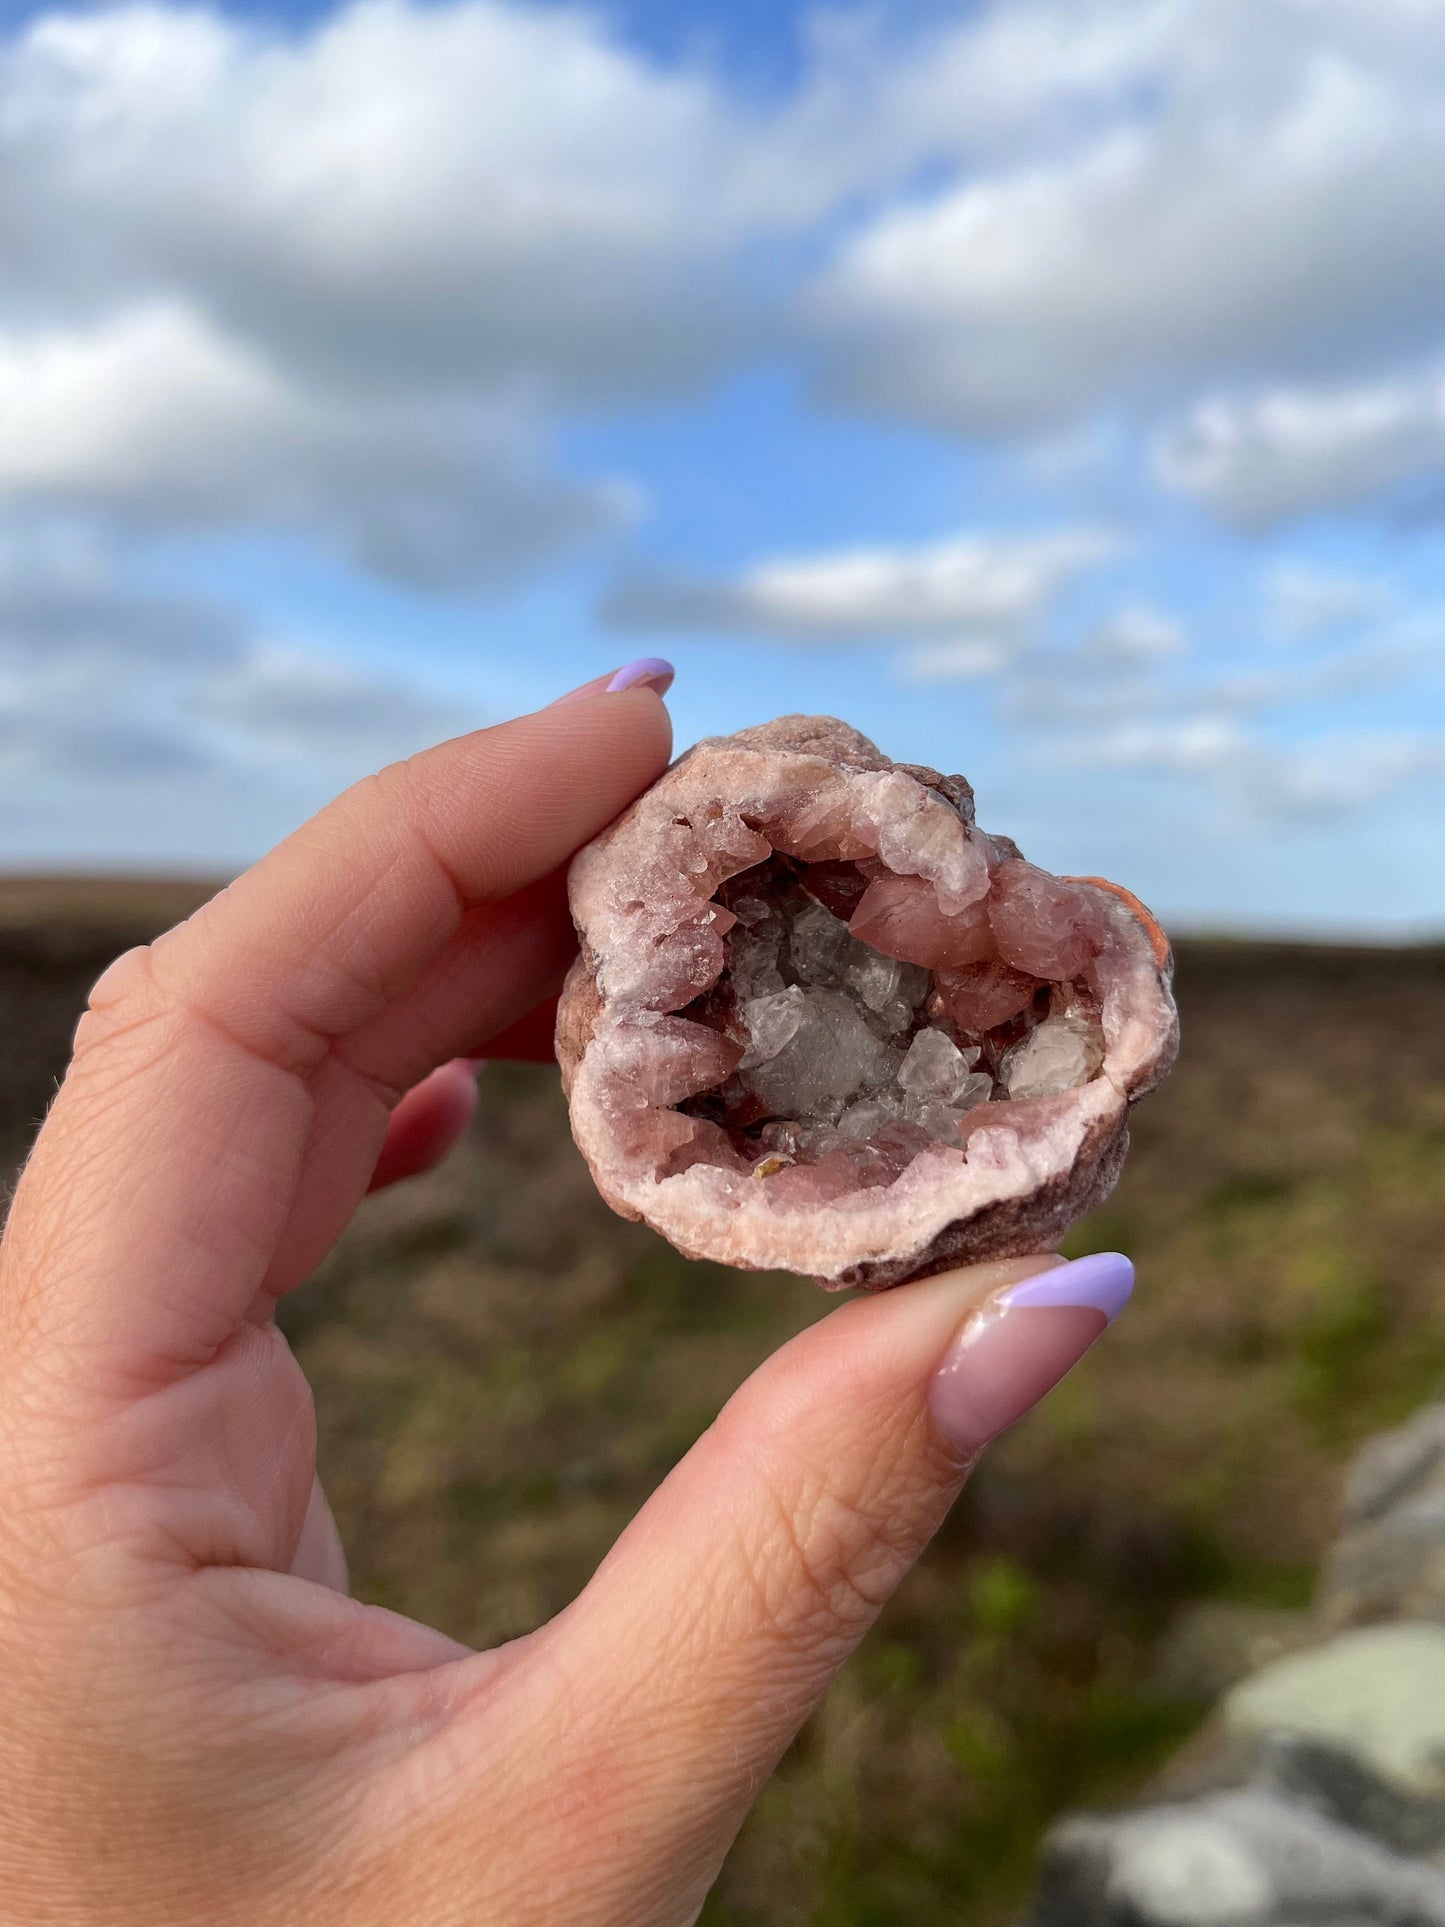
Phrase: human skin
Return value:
(197, 1723)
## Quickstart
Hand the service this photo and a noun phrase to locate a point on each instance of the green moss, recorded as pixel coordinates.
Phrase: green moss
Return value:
(1336, 1343)
(892, 1667)
(981, 1743)
(1121, 1729)
(1003, 1597)
(1247, 1192)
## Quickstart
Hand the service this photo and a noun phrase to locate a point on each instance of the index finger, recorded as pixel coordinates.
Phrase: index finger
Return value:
(166, 1173)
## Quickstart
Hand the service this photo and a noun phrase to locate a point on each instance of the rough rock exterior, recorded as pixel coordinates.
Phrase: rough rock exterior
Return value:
(822, 1023)
(1316, 1794)
(1244, 1859)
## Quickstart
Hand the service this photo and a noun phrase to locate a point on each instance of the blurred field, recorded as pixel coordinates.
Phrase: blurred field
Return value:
(504, 1370)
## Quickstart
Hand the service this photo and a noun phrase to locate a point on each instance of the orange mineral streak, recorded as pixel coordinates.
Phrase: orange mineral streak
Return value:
(1158, 942)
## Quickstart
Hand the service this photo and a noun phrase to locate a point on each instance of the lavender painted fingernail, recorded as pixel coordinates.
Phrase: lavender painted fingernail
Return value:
(1102, 1282)
(650, 672)
(1019, 1345)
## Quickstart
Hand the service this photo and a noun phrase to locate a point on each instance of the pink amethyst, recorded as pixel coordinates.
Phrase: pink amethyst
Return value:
(822, 1023)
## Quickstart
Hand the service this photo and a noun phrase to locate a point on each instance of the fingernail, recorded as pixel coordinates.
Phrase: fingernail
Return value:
(648, 672)
(1019, 1345)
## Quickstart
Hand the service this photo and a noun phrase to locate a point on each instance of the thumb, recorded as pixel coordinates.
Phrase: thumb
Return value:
(721, 1616)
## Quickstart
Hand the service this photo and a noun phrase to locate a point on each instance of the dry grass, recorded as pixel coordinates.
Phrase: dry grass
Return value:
(504, 1370)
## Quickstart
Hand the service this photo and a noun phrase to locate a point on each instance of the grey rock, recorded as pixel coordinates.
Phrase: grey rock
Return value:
(1334, 1783)
(1375, 1695)
(1389, 1468)
(1315, 1794)
(1243, 1859)
(1344, 1791)
(1396, 1566)
(1389, 1562)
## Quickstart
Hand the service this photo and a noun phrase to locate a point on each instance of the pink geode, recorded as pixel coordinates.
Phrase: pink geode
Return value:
(668, 1028)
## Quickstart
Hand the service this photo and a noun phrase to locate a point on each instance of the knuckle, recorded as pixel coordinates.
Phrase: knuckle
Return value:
(133, 970)
(123, 994)
(395, 790)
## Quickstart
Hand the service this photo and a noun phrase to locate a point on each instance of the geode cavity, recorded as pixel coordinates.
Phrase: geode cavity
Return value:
(822, 1022)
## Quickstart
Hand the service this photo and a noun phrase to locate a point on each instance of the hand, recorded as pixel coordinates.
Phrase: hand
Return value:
(197, 1724)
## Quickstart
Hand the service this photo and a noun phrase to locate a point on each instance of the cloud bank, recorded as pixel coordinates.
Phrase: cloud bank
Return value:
(1000, 583)
(369, 283)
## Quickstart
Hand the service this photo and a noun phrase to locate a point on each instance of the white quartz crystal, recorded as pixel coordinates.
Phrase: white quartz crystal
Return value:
(935, 1067)
(896, 1016)
(940, 1120)
(873, 977)
(827, 1018)
(1060, 1055)
(832, 1057)
(772, 1021)
(891, 988)
(871, 1114)
(753, 957)
(818, 946)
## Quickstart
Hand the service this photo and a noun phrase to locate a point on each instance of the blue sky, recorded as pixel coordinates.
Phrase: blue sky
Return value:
(1054, 388)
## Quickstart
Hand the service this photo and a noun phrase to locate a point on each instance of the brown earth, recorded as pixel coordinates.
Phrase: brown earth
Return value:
(504, 1369)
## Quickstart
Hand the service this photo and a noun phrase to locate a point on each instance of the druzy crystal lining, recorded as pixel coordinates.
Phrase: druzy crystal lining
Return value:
(854, 1059)
(822, 1020)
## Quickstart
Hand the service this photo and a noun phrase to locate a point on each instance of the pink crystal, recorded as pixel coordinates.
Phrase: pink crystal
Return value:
(1041, 923)
(983, 995)
(833, 1176)
(900, 916)
(661, 1060)
(819, 828)
(650, 1136)
(705, 1143)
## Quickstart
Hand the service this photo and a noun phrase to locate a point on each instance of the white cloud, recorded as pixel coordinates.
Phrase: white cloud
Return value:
(1250, 738)
(298, 704)
(478, 192)
(1189, 743)
(1090, 691)
(1295, 450)
(63, 604)
(1200, 187)
(955, 661)
(1132, 640)
(1136, 634)
(1326, 776)
(104, 682)
(154, 415)
(1302, 602)
(342, 277)
(340, 280)
(964, 583)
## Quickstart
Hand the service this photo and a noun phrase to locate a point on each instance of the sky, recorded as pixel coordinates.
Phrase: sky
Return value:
(1055, 389)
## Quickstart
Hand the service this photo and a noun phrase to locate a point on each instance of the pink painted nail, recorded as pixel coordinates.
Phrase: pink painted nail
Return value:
(1021, 1344)
(648, 672)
